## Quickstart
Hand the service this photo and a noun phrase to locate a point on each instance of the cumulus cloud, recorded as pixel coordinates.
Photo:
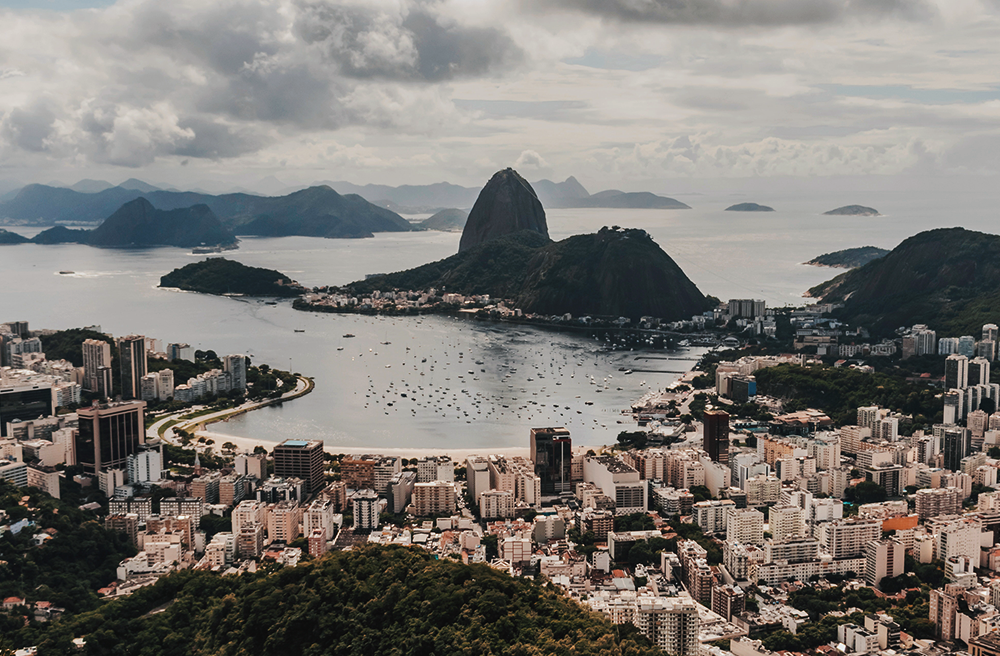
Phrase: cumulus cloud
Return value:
(530, 160)
(223, 79)
(742, 12)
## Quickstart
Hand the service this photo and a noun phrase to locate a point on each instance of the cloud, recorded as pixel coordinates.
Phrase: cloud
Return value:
(219, 80)
(529, 159)
(368, 42)
(30, 127)
(737, 13)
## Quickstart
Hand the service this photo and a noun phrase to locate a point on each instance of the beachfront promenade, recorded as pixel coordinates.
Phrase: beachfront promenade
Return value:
(192, 420)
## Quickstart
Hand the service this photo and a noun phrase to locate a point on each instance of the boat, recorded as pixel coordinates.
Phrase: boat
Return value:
(299, 330)
(340, 348)
(66, 273)
(348, 335)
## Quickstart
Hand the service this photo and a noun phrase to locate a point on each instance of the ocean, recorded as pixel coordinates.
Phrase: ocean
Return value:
(466, 384)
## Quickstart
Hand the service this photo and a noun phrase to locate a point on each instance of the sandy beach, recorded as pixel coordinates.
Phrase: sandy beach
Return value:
(458, 455)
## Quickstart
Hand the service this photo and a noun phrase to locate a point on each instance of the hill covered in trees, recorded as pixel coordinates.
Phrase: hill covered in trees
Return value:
(219, 276)
(613, 272)
(849, 258)
(374, 600)
(948, 278)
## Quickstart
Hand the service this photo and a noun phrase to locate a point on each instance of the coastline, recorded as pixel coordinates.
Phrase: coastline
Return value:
(247, 444)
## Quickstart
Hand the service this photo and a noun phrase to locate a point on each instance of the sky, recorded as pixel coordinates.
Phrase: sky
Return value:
(619, 93)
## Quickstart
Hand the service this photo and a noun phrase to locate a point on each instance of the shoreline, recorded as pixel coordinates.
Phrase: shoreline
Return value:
(247, 444)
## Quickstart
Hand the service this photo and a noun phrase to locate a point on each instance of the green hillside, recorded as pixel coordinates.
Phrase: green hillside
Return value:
(371, 601)
(219, 276)
(948, 278)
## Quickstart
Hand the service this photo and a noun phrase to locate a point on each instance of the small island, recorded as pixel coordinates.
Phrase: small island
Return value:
(749, 207)
(8, 237)
(223, 277)
(450, 220)
(849, 258)
(853, 210)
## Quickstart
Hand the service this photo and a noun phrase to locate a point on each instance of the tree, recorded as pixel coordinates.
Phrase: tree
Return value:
(866, 492)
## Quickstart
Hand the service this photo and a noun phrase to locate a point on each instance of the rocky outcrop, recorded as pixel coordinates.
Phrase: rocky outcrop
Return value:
(139, 224)
(507, 204)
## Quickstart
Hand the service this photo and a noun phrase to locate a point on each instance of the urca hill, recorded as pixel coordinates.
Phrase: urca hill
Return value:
(948, 278)
(506, 253)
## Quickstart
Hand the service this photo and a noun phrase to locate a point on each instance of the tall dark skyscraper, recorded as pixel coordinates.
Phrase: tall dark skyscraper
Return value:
(24, 401)
(716, 436)
(132, 357)
(300, 459)
(108, 434)
(552, 455)
(956, 443)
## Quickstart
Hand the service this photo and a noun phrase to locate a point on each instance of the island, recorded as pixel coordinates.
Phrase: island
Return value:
(849, 258)
(853, 210)
(749, 207)
(223, 277)
(450, 220)
(8, 237)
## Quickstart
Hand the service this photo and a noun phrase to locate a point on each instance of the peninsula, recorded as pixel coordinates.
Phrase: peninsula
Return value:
(849, 258)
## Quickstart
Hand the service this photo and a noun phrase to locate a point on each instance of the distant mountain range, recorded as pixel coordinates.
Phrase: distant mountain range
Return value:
(312, 212)
(91, 201)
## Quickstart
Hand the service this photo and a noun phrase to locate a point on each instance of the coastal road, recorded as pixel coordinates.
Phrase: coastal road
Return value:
(164, 426)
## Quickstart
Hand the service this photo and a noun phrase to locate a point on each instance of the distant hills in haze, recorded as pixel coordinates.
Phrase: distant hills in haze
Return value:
(312, 212)
(413, 199)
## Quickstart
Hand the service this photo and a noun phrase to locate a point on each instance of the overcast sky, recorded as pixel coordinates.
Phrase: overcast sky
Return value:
(615, 92)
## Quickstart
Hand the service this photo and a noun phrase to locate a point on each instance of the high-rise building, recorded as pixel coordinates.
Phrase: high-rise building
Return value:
(145, 465)
(745, 525)
(435, 468)
(848, 538)
(979, 371)
(967, 346)
(132, 359)
(955, 443)
(435, 498)
(671, 623)
(477, 476)
(746, 308)
(300, 459)
(108, 434)
(716, 435)
(947, 345)
(987, 349)
(728, 600)
(552, 456)
(991, 332)
(786, 522)
(180, 352)
(883, 558)
(236, 367)
(365, 506)
(25, 400)
(956, 372)
(96, 354)
(938, 501)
